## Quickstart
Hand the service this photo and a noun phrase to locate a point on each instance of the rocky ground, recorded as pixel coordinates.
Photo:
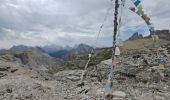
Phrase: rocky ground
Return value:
(136, 77)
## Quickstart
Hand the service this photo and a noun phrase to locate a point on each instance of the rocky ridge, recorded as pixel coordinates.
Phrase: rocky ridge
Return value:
(134, 78)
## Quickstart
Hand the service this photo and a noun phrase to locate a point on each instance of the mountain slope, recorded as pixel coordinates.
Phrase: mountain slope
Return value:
(81, 49)
(56, 51)
(35, 58)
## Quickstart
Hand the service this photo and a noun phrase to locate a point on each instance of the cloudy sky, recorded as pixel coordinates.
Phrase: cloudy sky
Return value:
(69, 22)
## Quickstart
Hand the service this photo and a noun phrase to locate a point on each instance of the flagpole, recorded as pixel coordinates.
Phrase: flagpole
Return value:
(109, 85)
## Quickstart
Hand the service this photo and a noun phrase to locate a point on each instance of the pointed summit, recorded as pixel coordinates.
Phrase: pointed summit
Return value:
(136, 36)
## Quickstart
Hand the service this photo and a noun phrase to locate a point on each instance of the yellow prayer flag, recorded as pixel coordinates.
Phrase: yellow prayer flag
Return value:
(161, 67)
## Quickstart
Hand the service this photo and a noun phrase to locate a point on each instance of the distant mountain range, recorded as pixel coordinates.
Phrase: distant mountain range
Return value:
(67, 51)
(55, 50)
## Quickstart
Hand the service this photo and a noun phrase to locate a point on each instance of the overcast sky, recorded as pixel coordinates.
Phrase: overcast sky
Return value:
(69, 22)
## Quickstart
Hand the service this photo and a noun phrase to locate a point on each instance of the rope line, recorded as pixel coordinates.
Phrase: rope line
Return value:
(83, 75)
(102, 25)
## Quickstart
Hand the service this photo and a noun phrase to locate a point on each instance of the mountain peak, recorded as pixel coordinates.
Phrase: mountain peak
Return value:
(64, 52)
(136, 36)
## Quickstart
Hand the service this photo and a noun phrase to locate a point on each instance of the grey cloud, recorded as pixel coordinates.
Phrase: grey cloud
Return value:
(53, 21)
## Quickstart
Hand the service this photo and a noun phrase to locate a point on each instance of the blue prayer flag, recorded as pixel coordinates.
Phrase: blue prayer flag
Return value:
(137, 3)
